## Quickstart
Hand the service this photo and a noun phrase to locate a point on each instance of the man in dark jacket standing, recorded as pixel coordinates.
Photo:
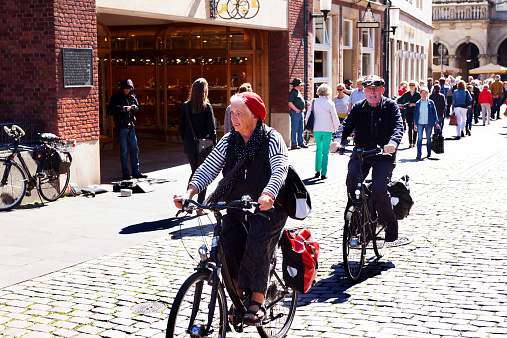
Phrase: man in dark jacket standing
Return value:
(377, 122)
(440, 104)
(123, 106)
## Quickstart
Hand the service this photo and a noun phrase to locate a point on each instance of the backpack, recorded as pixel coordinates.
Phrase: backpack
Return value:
(300, 259)
(297, 199)
(400, 197)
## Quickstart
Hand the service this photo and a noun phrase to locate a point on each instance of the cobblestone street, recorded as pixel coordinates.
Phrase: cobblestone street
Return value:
(449, 281)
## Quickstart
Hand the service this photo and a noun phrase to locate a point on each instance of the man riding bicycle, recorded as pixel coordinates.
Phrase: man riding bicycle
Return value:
(377, 122)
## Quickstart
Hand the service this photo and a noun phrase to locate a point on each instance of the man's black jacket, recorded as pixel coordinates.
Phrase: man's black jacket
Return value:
(379, 125)
(116, 107)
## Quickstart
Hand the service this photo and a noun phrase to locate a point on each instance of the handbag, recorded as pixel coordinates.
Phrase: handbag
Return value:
(300, 262)
(297, 199)
(437, 143)
(453, 121)
(311, 119)
(204, 145)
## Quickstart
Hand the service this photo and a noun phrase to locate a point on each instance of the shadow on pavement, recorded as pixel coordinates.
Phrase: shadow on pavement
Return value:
(162, 224)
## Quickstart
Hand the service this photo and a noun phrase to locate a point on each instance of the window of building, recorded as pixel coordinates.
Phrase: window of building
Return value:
(347, 34)
(322, 50)
(501, 6)
(368, 51)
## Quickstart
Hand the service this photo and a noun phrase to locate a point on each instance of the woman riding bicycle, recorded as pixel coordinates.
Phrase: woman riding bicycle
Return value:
(254, 161)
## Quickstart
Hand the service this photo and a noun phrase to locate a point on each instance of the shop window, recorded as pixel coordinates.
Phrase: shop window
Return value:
(368, 51)
(102, 40)
(322, 50)
(195, 39)
(144, 42)
(159, 40)
(177, 40)
(118, 43)
(214, 39)
(348, 34)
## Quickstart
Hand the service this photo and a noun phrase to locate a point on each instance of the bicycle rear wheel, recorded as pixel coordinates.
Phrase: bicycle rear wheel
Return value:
(13, 189)
(52, 184)
(190, 309)
(280, 302)
(354, 244)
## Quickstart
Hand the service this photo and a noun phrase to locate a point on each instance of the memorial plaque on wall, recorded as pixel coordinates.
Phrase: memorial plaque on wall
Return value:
(77, 67)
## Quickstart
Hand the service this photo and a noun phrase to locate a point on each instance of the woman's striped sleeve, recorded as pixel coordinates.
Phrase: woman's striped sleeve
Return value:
(279, 162)
(212, 166)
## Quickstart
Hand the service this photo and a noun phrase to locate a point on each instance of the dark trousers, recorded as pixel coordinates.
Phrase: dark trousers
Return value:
(470, 115)
(195, 162)
(381, 175)
(249, 247)
(477, 110)
(449, 106)
(496, 107)
(412, 134)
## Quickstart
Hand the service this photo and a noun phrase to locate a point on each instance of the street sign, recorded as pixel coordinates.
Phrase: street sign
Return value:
(368, 20)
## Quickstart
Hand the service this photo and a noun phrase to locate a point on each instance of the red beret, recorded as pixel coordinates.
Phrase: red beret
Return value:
(255, 104)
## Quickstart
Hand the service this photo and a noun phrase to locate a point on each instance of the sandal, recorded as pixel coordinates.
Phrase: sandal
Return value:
(255, 317)
(201, 212)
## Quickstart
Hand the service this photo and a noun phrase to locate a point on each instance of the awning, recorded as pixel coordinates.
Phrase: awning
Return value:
(489, 69)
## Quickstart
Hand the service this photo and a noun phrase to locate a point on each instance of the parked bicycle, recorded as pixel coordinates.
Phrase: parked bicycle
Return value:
(50, 179)
(200, 306)
(361, 221)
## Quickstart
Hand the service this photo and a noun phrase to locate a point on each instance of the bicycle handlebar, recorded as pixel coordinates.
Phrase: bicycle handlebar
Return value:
(15, 131)
(361, 151)
(244, 204)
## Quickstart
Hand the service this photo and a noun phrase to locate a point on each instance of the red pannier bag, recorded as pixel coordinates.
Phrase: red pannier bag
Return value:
(300, 259)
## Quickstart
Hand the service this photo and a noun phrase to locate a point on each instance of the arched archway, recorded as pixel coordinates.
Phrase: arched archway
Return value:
(502, 53)
(467, 57)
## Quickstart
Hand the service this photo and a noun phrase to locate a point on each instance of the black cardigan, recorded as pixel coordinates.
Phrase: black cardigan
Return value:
(203, 123)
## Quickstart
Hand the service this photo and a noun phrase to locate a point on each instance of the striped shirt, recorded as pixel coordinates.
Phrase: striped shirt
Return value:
(215, 162)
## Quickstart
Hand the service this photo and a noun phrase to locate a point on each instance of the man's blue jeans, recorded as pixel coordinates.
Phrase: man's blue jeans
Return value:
(496, 107)
(127, 137)
(441, 124)
(420, 129)
(296, 128)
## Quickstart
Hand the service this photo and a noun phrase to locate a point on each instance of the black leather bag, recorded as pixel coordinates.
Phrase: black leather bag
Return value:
(437, 143)
(311, 119)
(297, 199)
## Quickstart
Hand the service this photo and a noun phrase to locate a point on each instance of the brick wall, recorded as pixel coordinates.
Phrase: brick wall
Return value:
(286, 57)
(31, 79)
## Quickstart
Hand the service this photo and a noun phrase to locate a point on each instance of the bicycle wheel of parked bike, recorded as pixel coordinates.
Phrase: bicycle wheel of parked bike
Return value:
(190, 309)
(280, 303)
(12, 184)
(52, 183)
(354, 244)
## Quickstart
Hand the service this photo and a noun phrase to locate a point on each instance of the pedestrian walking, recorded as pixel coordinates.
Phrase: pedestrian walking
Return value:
(425, 116)
(477, 106)
(348, 87)
(461, 99)
(497, 92)
(297, 108)
(341, 102)
(197, 114)
(357, 94)
(408, 100)
(245, 87)
(403, 88)
(440, 104)
(448, 95)
(470, 111)
(326, 123)
(486, 101)
(123, 106)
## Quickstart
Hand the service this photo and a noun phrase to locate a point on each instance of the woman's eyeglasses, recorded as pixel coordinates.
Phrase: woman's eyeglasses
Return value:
(412, 85)
(340, 89)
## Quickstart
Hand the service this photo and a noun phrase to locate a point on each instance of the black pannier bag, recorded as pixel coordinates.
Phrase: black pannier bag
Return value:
(62, 161)
(298, 203)
(400, 197)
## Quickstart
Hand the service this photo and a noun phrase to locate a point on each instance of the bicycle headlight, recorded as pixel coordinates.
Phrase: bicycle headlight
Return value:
(203, 253)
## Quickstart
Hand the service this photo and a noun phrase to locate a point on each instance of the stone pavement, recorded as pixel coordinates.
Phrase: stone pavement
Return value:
(114, 253)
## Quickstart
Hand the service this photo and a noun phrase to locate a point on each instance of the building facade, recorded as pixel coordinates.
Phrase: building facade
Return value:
(162, 46)
(343, 51)
(470, 34)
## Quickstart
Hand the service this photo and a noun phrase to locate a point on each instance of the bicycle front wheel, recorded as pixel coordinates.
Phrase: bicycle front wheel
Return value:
(354, 244)
(12, 184)
(190, 309)
(52, 184)
(280, 303)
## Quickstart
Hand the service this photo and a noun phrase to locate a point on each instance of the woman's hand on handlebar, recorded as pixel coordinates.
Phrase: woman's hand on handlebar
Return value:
(178, 199)
(266, 201)
(389, 148)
